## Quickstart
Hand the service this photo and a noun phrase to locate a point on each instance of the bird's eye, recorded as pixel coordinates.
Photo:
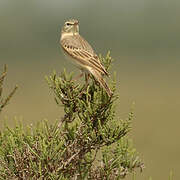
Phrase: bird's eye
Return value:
(68, 24)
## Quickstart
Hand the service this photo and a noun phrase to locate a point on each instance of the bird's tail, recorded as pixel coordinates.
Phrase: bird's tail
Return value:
(102, 82)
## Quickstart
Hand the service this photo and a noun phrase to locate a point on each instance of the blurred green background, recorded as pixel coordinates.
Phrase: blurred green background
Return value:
(144, 39)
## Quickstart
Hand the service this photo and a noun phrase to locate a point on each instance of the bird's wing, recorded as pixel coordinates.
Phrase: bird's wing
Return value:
(77, 49)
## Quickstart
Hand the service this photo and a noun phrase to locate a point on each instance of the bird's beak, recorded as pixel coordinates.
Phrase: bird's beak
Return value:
(76, 27)
(76, 23)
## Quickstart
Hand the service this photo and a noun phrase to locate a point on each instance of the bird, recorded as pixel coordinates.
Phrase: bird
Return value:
(80, 52)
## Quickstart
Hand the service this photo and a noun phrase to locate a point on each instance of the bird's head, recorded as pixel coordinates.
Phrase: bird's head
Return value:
(71, 26)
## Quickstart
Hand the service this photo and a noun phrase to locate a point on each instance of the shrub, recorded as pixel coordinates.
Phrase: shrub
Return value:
(89, 142)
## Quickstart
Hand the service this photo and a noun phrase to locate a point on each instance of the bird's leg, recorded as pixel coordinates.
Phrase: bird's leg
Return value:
(86, 79)
(86, 84)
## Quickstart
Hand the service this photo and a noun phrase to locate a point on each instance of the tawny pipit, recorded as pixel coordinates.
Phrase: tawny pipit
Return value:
(80, 52)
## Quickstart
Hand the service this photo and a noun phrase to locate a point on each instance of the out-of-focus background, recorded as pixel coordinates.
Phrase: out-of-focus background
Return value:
(144, 39)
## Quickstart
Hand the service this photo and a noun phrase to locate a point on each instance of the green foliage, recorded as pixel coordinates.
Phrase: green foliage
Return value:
(4, 102)
(89, 142)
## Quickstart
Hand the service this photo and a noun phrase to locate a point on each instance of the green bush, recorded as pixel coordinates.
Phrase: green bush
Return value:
(89, 142)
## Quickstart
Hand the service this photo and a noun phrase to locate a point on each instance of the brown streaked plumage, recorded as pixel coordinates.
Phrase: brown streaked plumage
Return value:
(80, 52)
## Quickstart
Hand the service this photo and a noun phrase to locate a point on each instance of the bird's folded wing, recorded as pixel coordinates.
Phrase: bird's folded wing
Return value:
(84, 57)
